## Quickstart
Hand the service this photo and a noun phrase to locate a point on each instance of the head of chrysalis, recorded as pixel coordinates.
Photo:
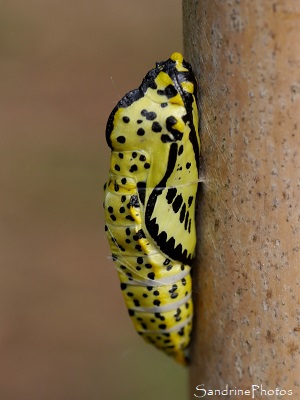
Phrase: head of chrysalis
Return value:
(158, 111)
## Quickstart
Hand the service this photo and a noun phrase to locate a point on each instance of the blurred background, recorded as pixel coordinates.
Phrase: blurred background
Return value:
(64, 330)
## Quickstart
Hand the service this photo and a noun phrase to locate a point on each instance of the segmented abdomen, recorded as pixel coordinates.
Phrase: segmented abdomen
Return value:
(156, 289)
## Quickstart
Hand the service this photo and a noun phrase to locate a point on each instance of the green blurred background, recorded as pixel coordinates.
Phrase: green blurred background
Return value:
(64, 330)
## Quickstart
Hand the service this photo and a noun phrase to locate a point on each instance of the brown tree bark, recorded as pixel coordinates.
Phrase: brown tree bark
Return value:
(246, 55)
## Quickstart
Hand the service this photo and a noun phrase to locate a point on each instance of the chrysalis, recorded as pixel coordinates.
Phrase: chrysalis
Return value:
(150, 199)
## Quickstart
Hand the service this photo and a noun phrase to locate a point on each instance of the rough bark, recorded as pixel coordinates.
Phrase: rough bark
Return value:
(246, 282)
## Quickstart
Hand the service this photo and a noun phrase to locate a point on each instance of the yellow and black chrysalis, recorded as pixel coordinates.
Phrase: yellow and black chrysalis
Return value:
(150, 199)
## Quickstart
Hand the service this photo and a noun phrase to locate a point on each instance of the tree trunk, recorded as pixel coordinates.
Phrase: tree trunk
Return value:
(246, 55)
